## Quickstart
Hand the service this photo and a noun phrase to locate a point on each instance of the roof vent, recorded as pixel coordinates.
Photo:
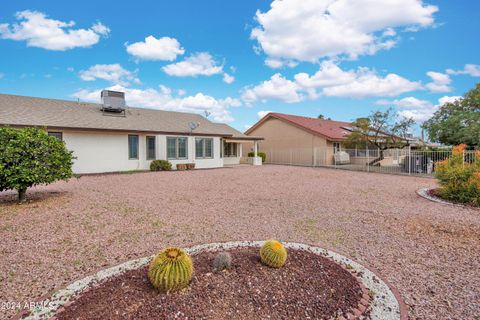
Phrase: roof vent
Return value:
(113, 101)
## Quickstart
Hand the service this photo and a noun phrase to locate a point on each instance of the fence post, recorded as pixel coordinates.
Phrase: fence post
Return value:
(463, 158)
(409, 160)
(368, 160)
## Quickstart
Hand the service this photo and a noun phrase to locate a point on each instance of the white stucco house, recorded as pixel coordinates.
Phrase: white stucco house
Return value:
(113, 137)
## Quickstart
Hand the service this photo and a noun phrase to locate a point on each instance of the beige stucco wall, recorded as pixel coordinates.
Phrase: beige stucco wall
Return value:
(286, 143)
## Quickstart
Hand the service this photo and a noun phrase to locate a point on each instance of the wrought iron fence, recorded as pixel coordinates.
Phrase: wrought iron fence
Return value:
(393, 161)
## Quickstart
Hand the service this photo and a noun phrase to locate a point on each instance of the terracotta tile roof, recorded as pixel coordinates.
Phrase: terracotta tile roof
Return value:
(30, 111)
(332, 130)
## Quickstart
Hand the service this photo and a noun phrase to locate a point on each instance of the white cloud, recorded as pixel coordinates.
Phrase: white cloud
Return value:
(163, 99)
(248, 126)
(39, 31)
(330, 80)
(263, 113)
(469, 69)
(114, 73)
(277, 88)
(228, 79)
(448, 99)
(440, 82)
(327, 75)
(419, 110)
(165, 49)
(199, 64)
(313, 29)
(369, 84)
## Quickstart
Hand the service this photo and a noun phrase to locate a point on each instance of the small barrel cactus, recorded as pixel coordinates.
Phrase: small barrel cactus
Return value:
(170, 270)
(222, 261)
(273, 254)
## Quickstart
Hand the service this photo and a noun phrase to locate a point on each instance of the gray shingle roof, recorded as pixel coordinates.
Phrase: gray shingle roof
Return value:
(30, 111)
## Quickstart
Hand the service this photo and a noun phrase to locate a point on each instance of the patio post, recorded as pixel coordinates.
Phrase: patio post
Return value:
(255, 145)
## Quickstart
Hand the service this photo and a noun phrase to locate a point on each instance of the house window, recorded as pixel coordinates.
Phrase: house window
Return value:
(177, 148)
(151, 148)
(221, 148)
(132, 147)
(336, 147)
(203, 148)
(57, 135)
(230, 149)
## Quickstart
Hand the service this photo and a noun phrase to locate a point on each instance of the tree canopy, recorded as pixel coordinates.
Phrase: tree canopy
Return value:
(30, 157)
(457, 122)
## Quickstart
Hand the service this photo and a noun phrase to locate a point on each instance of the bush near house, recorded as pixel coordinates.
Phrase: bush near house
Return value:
(263, 155)
(30, 157)
(160, 165)
(459, 179)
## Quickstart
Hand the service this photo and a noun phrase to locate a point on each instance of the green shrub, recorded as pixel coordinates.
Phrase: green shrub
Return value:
(459, 180)
(30, 157)
(160, 165)
(273, 254)
(170, 270)
(263, 155)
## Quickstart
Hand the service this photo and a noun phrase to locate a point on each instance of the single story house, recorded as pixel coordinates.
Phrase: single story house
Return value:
(298, 140)
(113, 137)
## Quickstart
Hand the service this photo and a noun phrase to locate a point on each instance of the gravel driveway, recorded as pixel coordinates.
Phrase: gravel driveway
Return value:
(429, 251)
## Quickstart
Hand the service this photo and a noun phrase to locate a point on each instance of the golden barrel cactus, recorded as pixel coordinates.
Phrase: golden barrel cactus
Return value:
(273, 254)
(170, 270)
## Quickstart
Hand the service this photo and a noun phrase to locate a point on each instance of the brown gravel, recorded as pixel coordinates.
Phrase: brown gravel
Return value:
(429, 251)
(308, 286)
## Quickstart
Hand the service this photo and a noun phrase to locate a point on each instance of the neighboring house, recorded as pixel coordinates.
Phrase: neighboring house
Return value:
(112, 137)
(299, 140)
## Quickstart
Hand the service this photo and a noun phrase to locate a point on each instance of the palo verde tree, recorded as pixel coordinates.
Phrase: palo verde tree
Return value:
(30, 157)
(381, 130)
(457, 122)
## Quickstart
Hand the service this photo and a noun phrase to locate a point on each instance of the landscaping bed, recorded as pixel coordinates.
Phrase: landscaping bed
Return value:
(434, 195)
(307, 286)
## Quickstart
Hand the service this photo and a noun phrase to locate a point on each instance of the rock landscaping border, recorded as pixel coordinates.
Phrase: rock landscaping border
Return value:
(380, 300)
(426, 193)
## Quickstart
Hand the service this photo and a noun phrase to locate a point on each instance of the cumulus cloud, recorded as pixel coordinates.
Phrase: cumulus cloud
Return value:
(37, 30)
(314, 29)
(199, 64)
(419, 110)
(263, 113)
(440, 82)
(114, 73)
(166, 49)
(228, 79)
(330, 80)
(369, 84)
(163, 99)
(276, 88)
(469, 69)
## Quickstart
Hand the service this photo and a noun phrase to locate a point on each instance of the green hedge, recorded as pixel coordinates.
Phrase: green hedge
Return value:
(160, 165)
(263, 155)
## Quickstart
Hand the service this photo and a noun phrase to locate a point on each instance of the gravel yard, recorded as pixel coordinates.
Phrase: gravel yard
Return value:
(428, 251)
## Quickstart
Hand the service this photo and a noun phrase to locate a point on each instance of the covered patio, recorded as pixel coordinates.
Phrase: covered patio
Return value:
(233, 153)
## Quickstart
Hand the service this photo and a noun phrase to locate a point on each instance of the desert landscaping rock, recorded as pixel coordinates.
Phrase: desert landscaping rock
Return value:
(428, 251)
(315, 283)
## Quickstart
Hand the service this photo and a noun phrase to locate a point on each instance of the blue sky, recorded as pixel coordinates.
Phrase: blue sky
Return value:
(239, 59)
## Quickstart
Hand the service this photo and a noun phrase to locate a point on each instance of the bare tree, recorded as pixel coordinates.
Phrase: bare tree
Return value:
(382, 130)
